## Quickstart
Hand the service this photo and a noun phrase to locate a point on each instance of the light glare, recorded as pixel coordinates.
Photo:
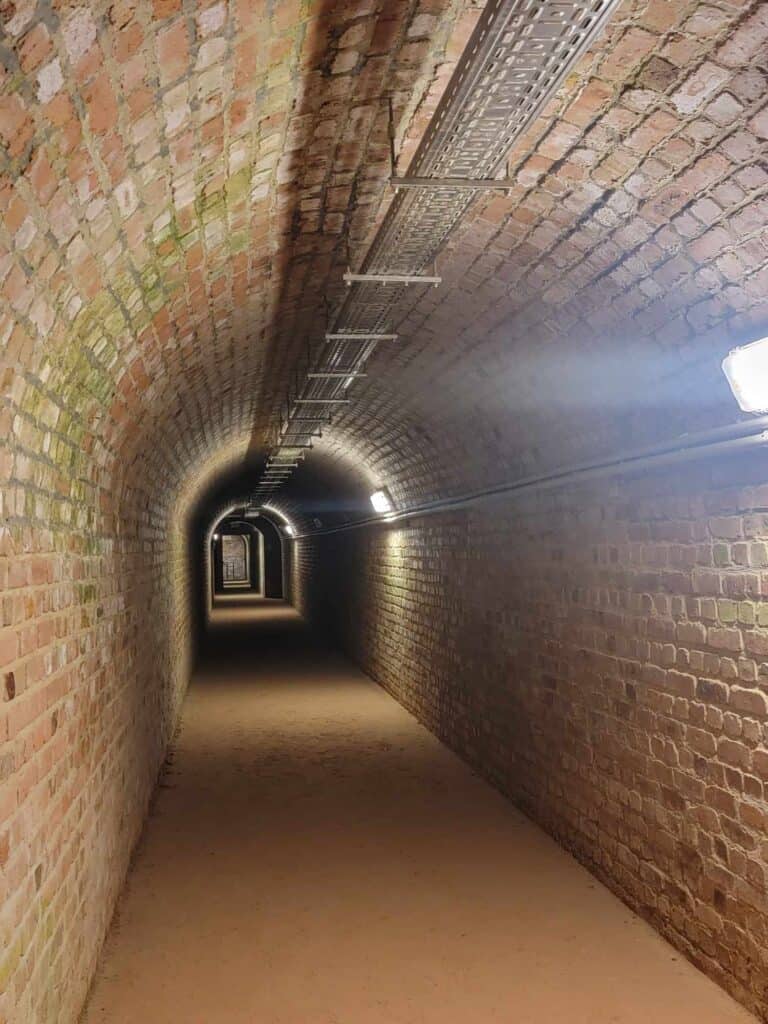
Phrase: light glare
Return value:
(746, 369)
(285, 525)
(381, 501)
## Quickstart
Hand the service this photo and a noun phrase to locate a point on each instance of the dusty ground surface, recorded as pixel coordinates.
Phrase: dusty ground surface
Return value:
(319, 858)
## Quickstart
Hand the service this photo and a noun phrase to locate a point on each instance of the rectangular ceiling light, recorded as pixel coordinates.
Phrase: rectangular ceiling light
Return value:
(381, 501)
(746, 369)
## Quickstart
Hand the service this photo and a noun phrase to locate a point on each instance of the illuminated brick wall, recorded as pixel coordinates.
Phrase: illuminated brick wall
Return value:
(170, 176)
(181, 188)
(599, 653)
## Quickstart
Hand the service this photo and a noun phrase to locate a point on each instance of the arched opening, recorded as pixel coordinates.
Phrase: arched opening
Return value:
(244, 559)
(236, 558)
(232, 562)
(273, 568)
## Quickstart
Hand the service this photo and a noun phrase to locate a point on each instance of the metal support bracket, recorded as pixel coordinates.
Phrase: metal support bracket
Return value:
(462, 184)
(361, 337)
(406, 279)
(336, 376)
(322, 401)
(391, 136)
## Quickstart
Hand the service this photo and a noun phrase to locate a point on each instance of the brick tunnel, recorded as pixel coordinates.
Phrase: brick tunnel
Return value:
(383, 511)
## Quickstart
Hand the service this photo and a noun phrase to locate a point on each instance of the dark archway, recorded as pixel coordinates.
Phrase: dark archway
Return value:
(267, 559)
(236, 560)
(273, 561)
(265, 573)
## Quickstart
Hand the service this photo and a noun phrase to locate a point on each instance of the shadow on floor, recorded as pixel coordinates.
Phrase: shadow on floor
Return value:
(258, 630)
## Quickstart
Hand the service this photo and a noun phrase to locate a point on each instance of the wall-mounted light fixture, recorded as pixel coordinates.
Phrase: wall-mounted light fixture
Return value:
(215, 536)
(381, 501)
(747, 371)
(286, 526)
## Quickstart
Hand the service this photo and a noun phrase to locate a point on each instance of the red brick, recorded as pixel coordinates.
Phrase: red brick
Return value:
(15, 124)
(101, 104)
(173, 51)
(161, 285)
(35, 48)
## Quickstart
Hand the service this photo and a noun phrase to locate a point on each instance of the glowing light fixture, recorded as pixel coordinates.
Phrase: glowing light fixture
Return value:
(287, 527)
(215, 536)
(381, 501)
(746, 369)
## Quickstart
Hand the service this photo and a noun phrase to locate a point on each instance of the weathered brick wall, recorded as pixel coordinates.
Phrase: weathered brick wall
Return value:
(95, 650)
(181, 187)
(598, 653)
(92, 680)
(171, 174)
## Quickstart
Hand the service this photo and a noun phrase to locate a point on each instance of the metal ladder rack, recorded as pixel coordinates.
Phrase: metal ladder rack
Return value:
(516, 59)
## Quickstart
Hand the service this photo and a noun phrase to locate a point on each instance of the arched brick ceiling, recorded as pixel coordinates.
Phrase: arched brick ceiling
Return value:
(589, 310)
(174, 177)
(182, 184)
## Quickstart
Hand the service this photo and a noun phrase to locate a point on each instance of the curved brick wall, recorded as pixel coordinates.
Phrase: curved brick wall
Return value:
(181, 185)
(599, 653)
(167, 170)
(597, 650)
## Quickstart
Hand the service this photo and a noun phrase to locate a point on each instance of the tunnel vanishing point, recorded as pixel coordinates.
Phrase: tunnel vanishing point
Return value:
(417, 343)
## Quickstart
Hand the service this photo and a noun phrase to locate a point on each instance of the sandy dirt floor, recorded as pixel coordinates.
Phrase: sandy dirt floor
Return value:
(317, 857)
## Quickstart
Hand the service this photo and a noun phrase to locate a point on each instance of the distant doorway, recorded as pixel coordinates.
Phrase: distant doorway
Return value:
(244, 562)
(235, 560)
